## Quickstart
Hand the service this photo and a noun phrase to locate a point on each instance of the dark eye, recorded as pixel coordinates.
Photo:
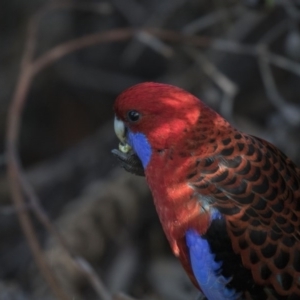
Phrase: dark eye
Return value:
(133, 115)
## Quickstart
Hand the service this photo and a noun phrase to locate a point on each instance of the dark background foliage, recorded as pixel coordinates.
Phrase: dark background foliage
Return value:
(248, 71)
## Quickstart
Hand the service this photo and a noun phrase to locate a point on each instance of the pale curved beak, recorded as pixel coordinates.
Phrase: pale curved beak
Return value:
(120, 131)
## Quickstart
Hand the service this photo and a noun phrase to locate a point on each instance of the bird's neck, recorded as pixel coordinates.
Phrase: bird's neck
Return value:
(175, 201)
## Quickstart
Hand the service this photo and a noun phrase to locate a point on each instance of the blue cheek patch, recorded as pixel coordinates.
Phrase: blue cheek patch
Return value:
(141, 146)
(207, 270)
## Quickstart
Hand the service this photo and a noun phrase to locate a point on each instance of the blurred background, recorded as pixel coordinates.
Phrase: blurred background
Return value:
(246, 66)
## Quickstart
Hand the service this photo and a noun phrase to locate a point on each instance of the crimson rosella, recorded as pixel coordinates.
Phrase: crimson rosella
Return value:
(229, 202)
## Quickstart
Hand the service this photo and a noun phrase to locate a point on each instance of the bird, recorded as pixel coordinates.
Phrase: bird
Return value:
(228, 202)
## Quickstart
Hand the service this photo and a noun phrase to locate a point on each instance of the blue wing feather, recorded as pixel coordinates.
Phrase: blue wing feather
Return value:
(207, 270)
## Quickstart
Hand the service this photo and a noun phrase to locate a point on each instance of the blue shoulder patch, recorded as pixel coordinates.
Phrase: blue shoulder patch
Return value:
(207, 270)
(141, 146)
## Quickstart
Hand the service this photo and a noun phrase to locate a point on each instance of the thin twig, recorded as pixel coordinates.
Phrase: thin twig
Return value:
(162, 11)
(155, 44)
(56, 53)
(290, 112)
(211, 19)
(82, 265)
(225, 84)
(16, 107)
(93, 277)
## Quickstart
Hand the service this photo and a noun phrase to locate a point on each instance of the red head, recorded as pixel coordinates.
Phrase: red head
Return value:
(163, 113)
